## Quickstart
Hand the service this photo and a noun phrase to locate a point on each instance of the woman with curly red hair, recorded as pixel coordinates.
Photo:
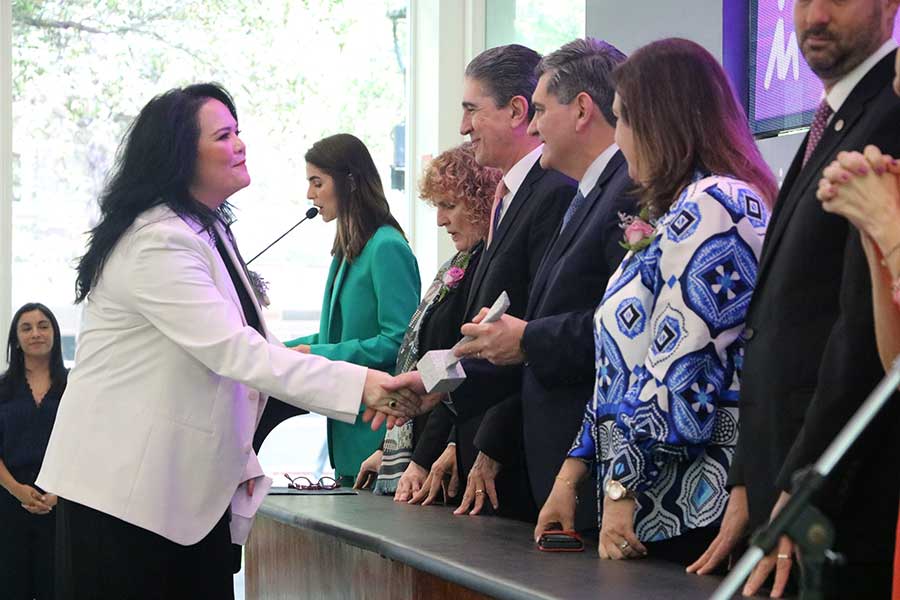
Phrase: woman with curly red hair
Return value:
(462, 192)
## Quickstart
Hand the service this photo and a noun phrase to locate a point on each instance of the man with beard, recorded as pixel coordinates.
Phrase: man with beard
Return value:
(811, 357)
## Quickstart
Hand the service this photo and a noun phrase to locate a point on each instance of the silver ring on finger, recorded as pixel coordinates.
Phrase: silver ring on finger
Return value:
(624, 545)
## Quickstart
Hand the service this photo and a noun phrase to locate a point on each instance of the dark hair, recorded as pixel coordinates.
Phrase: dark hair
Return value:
(583, 65)
(15, 356)
(684, 114)
(361, 205)
(455, 175)
(506, 72)
(155, 165)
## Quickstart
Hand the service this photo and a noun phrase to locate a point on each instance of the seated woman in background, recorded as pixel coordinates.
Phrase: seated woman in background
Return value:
(662, 425)
(462, 192)
(29, 396)
(373, 284)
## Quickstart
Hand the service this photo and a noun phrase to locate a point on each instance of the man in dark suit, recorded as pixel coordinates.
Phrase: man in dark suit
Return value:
(528, 207)
(811, 357)
(553, 346)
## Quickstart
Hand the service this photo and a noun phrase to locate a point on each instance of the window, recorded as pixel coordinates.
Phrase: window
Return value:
(543, 26)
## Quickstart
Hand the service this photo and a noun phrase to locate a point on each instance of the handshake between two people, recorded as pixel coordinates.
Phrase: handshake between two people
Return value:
(397, 399)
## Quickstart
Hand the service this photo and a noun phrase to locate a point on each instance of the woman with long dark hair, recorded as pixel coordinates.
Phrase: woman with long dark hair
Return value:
(151, 454)
(373, 284)
(662, 426)
(29, 397)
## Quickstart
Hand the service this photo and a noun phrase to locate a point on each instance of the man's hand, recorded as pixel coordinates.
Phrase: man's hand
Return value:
(442, 469)
(410, 482)
(481, 482)
(368, 471)
(617, 537)
(734, 525)
(781, 560)
(499, 342)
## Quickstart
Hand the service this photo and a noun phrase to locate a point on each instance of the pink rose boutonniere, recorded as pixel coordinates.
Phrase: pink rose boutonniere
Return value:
(454, 275)
(640, 231)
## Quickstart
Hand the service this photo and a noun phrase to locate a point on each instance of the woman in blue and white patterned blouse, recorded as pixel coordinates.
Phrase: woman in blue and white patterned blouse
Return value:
(663, 422)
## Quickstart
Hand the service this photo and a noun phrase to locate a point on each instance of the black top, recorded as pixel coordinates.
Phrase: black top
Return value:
(250, 314)
(25, 427)
(439, 331)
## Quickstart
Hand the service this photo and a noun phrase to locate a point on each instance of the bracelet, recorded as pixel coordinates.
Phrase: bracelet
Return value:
(887, 254)
(567, 482)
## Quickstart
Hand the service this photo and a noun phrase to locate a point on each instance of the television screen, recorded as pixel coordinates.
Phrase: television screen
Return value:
(783, 92)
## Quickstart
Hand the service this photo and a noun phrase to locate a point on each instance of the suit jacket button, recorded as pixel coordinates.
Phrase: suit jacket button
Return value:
(748, 334)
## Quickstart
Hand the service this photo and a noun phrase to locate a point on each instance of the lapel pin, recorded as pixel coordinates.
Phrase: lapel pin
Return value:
(839, 125)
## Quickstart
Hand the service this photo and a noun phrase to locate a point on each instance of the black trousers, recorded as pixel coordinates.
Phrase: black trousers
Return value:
(27, 546)
(101, 557)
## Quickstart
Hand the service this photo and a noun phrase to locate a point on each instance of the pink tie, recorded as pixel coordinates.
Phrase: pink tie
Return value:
(817, 129)
(501, 191)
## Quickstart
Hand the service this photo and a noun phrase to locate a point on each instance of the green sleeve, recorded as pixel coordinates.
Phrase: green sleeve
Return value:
(395, 278)
(309, 340)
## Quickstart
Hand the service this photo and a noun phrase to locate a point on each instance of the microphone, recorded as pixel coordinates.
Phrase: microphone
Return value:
(310, 214)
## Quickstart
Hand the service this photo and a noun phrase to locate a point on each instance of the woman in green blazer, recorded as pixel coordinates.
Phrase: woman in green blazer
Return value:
(373, 284)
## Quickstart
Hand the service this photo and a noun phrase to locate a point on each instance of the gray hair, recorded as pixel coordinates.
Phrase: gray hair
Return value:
(507, 72)
(583, 65)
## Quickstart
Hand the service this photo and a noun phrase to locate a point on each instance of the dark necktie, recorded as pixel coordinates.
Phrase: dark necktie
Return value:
(574, 205)
(817, 129)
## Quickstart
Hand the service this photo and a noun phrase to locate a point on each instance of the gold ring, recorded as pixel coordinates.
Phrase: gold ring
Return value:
(624, 545)
(392, 404)
(784, 557)
(479, 492)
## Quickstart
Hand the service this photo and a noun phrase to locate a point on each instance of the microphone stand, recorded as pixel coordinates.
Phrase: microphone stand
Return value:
(809, 529)
(311, 213)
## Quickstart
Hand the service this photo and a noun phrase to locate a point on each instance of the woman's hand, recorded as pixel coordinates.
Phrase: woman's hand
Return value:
(410, 482)
(368, 471)
(442, 469)
(303, 348)
(864, 188)
(32, 500)
(390, 404)
(617, 538)
(733, 528)
(559, 508)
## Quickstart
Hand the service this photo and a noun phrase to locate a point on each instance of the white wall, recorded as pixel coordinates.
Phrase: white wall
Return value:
(629, 25)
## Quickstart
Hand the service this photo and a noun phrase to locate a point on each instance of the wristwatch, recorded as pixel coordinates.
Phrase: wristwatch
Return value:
(616, 491)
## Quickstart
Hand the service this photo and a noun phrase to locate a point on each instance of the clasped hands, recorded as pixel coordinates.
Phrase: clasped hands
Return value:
(395, 400)
(864, 187)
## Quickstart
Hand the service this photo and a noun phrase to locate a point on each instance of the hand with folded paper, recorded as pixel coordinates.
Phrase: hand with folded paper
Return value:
(441, 370)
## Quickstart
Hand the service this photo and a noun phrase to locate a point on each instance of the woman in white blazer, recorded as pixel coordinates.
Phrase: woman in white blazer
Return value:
(151, 452)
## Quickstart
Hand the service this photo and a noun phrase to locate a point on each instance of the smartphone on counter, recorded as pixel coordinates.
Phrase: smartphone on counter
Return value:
(555, 539)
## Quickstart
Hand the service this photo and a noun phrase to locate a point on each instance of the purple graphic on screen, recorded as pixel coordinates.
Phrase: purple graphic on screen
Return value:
(782, 86)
